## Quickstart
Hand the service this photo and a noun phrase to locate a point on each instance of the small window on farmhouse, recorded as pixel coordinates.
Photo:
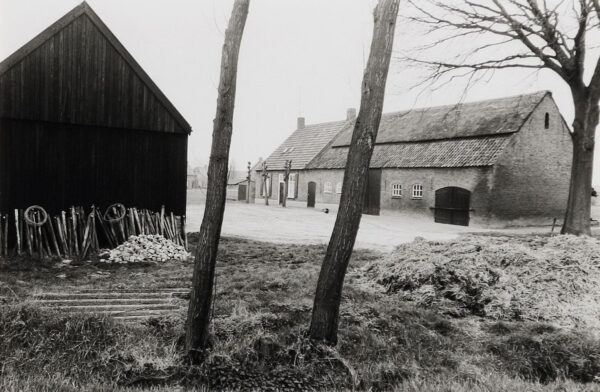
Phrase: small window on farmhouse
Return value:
(338, 187)
(328, 188)
(547, 121)
(396, 190)
(292, 186)
(417, 191)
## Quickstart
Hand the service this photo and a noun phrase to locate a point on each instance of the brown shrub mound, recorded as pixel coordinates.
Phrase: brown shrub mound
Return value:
(552, 279)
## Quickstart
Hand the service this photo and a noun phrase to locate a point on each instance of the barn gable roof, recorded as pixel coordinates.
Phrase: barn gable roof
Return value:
(177, 124)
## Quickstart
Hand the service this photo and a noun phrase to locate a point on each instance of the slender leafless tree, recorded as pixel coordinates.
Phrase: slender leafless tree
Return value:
(526, 34)
(265, 182)
(210, 231)
(286, 181)
(326, 308)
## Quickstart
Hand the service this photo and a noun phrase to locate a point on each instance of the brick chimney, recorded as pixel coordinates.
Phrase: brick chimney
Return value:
(350, 114)
(300, 122)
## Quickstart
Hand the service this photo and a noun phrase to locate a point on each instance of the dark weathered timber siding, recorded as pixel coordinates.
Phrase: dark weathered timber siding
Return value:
(59, 165)
(81, 123)
(78, 76)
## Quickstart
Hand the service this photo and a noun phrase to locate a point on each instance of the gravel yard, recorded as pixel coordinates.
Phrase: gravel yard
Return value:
(300, 225)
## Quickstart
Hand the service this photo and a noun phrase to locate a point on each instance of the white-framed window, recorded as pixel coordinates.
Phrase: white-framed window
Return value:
(281, 177)
(328, 188)
(417, 191)
(396, 190)
(292, 186)
(338, 188)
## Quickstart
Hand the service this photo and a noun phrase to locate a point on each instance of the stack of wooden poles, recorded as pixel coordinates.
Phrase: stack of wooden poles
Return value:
(133, 221)
(77, 234)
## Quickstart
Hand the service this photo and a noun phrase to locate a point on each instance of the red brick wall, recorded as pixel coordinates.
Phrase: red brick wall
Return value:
(531, 178)
(432, 179)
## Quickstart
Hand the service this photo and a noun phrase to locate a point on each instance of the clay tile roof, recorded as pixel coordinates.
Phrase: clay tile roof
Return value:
(472, 119)
(483, 151)
(466, 134)
(304, 144)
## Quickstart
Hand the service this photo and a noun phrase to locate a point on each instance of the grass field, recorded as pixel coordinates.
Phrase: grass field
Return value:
(261, 314)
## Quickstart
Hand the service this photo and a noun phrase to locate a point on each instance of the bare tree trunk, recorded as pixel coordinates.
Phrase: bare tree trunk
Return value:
(285, 192)
(210, 230)
(577, 217)
(328, 295)
(266, 191)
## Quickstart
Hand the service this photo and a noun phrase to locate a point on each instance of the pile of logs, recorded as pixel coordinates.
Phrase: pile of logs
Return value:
(78, 234)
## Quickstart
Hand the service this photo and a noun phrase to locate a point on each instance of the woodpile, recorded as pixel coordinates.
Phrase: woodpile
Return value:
(146, 248)
(77, 233)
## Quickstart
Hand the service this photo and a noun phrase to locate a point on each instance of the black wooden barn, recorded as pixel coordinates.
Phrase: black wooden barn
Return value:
(81, 123)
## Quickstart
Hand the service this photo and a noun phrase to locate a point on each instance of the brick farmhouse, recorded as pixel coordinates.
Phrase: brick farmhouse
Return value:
(500, 161)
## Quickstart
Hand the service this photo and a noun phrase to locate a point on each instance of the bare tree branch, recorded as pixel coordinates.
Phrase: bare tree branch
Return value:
(551, 37)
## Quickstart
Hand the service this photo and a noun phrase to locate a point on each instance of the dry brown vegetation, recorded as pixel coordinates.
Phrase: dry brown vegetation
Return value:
(262, 311)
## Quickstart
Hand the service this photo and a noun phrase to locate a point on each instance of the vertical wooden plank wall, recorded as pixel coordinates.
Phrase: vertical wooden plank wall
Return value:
(59, 165)
(79, 125)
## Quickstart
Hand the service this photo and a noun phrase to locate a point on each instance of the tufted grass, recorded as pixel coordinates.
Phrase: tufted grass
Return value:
(261, 315)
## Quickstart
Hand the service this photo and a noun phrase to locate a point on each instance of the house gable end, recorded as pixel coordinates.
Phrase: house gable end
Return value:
(531, 177)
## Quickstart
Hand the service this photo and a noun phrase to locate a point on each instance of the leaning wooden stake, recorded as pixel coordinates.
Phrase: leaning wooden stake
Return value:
(2, 236)
(326, 307)
(50, 228)
(6, 235)
(61, 236)
(18, 230)
(210, 231)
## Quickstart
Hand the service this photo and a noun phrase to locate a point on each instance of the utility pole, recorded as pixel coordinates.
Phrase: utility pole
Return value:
(249, 178)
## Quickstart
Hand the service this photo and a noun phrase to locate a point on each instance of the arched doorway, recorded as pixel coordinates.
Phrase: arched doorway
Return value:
(452, 205)
(312, 190)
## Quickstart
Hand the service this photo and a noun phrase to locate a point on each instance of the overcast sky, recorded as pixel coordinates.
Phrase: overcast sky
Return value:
(298, 57)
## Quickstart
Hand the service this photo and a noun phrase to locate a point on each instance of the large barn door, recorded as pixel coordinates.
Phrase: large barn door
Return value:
(452, 206)
(373, 193)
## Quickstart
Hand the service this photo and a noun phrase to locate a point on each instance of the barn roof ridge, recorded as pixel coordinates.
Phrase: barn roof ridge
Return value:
(541, 93)
(492, 116)
(85, 9)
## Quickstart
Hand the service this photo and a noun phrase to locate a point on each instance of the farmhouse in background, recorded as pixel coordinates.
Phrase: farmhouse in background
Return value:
(504, 161)
(81, 123)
